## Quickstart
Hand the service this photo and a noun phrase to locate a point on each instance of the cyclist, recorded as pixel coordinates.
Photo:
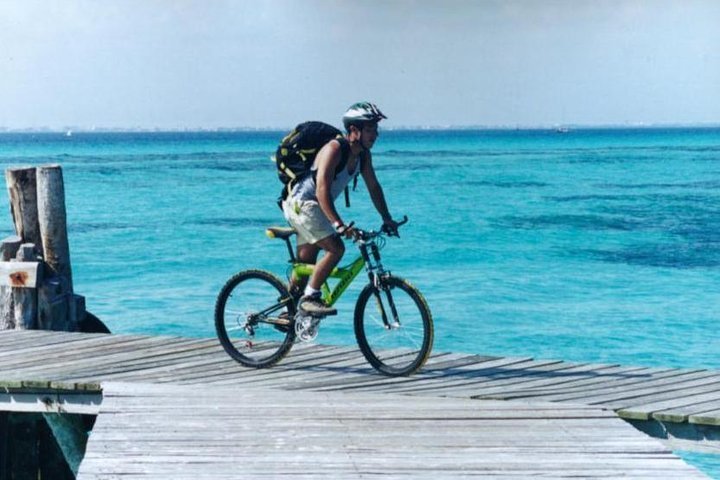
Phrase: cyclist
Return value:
(310, 207)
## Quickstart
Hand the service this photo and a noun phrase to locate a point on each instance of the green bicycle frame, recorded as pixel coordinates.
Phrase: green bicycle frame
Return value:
(345, 276)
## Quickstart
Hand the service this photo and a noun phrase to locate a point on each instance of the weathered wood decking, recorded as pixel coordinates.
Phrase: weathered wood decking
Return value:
(160, 390)
(641, 393)
(182, 432)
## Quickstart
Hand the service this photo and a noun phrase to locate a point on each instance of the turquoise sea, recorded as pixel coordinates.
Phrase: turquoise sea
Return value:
(598, 245)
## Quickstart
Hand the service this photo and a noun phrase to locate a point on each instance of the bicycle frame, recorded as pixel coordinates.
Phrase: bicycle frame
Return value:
(345, 275)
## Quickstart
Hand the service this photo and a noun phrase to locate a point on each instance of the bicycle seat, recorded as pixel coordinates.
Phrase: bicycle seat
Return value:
(280, 232)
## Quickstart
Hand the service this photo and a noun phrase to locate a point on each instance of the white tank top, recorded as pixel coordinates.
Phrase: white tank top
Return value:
(306, 189)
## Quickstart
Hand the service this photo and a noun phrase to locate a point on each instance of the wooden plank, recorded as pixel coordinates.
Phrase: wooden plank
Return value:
(20, 274)
(353, 361)
(599, 391)
(644, 411)
(711, 418)
(472, 379)
(437, 369)
(75, 403)
(667, 389)
(102, 347)
(554, 379)
(575, 391)
(487, 369)
(515, 377)
(682, 414)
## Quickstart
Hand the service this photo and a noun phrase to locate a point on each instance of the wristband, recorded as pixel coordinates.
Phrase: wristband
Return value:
(339, 227)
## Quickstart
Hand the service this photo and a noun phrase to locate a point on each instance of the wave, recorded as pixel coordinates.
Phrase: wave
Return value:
(234, 222)
(580, 221)
(676, 256)
(704, 184)
(499, 184)
(100, 226)
(639, 200)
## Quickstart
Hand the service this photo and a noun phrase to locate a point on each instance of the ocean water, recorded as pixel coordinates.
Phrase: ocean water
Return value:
(591, 245)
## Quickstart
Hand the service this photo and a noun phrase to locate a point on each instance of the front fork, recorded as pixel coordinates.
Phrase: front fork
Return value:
(377, 276)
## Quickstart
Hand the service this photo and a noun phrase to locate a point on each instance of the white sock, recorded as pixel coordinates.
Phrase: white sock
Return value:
(309, 291)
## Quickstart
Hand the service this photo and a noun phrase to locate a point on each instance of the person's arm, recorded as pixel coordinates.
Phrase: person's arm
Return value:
(327, 161)
(376, 192)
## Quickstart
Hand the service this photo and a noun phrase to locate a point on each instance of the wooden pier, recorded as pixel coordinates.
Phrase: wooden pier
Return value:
(181, 408)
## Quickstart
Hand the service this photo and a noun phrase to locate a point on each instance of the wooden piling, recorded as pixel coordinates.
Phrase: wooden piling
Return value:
(8, 250)
(25, 299)
(22, 189)
(36, 288)
(56, 306)
(52, 218)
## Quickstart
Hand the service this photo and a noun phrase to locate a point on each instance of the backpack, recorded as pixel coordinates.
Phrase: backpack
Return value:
(296, 153)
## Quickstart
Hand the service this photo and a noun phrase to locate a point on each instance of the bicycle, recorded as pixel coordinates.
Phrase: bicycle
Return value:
(257, 319)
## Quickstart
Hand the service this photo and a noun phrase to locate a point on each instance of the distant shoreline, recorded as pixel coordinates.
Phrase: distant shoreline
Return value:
(561, 128)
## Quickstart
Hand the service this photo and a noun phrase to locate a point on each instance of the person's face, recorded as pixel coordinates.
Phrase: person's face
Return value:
(369, 134)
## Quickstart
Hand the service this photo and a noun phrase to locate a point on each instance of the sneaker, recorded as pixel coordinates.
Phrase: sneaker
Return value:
(314, 305)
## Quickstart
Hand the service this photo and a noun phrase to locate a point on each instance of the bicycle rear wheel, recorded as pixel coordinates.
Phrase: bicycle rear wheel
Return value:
(396, 337)
(253, 318)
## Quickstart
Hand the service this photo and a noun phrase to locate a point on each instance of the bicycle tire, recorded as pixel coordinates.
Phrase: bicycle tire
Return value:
(237, 306)
(401, 350)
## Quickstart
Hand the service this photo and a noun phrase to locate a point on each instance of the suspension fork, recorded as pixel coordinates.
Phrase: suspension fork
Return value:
(375, 275)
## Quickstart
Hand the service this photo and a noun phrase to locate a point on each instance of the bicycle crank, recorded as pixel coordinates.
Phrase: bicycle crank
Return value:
(306, 327)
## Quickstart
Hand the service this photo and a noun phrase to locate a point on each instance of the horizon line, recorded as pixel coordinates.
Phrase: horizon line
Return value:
(188, 129)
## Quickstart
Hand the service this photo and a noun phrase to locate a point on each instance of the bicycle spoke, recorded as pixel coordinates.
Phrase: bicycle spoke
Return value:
(243, 322)
(409, 330)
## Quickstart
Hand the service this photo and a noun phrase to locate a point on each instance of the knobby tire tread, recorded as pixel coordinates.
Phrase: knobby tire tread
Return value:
(360, 307)
(222, 335)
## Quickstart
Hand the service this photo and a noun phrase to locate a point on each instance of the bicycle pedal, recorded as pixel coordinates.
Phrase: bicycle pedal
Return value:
(306, 327)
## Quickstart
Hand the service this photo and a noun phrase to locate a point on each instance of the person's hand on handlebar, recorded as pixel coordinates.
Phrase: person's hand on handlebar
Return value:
(390, 227)
(346, 231)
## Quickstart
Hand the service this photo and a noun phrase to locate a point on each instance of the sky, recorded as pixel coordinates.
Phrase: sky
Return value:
(175, 64)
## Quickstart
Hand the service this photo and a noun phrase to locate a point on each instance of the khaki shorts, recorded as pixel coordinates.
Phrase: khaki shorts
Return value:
(308, 219)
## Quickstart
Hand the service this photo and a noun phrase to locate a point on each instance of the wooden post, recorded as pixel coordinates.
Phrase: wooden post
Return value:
(22, 189)
(52, 218)
(37, 201)
(57, 297)
(25, 299)
(8, 250)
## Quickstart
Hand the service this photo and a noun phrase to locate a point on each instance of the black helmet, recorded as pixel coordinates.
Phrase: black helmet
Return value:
(362, 112)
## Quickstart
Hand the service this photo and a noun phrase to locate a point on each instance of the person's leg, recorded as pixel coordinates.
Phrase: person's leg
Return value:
(312, 302)
(334, 250)
(306, 253)
(315, 233)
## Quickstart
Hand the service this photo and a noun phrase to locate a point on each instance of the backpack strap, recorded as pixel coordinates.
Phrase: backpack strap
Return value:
(344, 154)
(361, 158)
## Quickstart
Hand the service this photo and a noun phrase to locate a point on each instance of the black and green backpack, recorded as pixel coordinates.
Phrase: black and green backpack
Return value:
(296, 153)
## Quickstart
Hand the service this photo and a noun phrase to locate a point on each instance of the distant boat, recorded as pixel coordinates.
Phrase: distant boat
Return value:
(562, 129)
(68, 133)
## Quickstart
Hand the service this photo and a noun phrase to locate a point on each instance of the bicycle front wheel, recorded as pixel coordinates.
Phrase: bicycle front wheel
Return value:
(396, 333)
(253, 318)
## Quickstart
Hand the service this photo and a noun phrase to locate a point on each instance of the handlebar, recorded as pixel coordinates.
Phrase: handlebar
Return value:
(365, 235)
